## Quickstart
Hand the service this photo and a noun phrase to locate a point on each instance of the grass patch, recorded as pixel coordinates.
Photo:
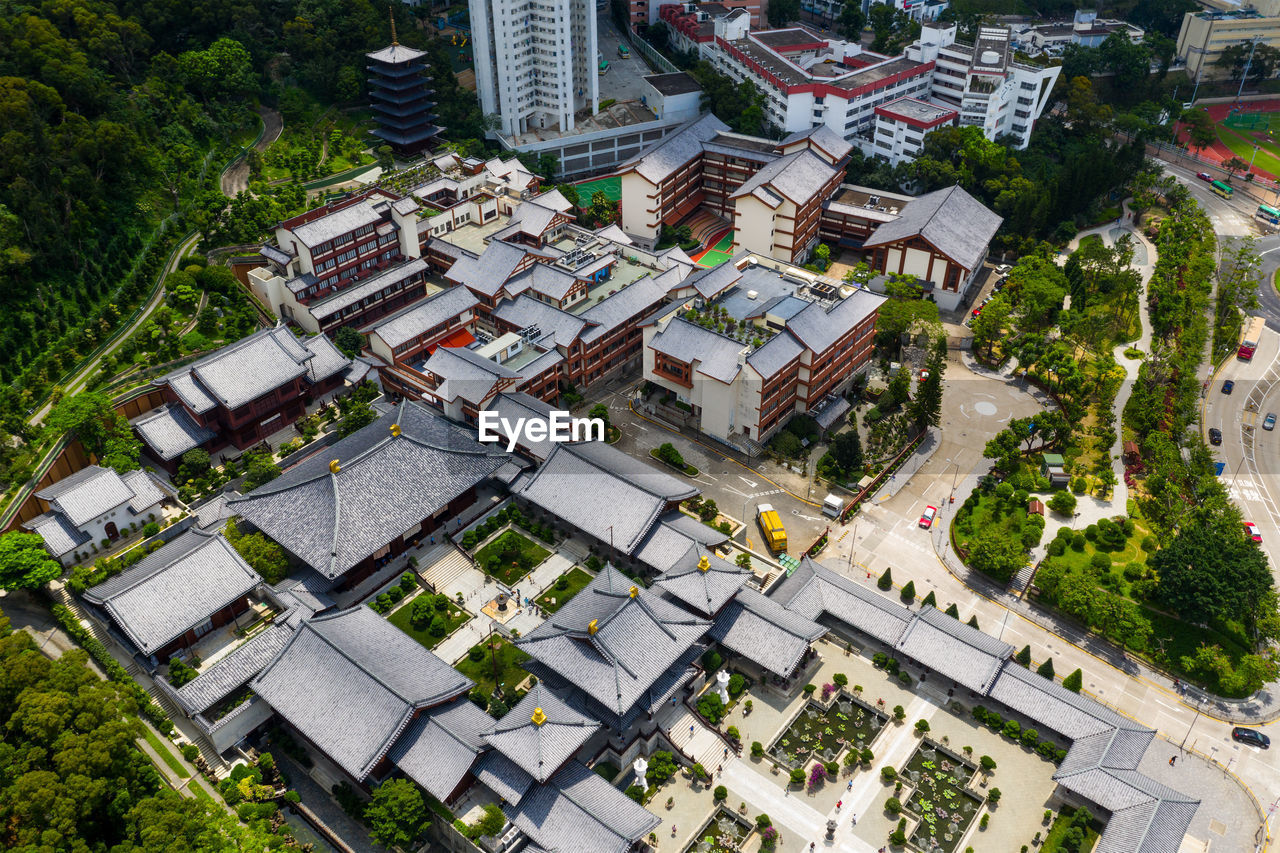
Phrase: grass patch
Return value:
(510, 557)
(454, 617)
(1242, 146)
(565, 587)
(1058, 834)
(200, 793)
(480, 661)
(688, 470)
(165, 753)
(607, 770)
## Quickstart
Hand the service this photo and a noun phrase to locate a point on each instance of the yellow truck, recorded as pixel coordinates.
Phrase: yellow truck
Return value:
(775, 535)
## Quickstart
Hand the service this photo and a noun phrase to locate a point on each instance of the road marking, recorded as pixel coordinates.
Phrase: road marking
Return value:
(749, 483)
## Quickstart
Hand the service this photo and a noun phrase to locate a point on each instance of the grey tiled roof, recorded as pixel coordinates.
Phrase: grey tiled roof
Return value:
(812, 590)
(636, 641)
(670, 540)
(954, 649)
(1043, 699)
(351, 682)
(637, 300)
(214, 512)
(954, 222)
(385, 485)
(337, 223)
(87, 494)
(326, 359)
(548, 280)
(775, 354)
(627, 494)
(424, 316)
(798, 177)
(711, 354)
(704, 591)
(233, 671)
(439, 748)
(175, 588)
(524, 311)
(395, 54)
(60, 537)
(577, 811)
(520, 405)
(489, 272)
(715, 280)
(832, 411)
(171, 432)
(821, 137)
(658, 162)
(818, 328)
(352, 294)
(465, 373)
(241, 372)
(502, 776)
(1153, 826)
(147, 491)
(762, 630)
(540, 749)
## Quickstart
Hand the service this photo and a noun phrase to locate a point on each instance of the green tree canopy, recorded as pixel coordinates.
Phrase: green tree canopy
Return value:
(24, 562)
(90, 418)
(397, 813)
(1210, 571)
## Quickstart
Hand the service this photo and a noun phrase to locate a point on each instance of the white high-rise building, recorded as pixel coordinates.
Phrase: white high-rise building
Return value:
(536, 62)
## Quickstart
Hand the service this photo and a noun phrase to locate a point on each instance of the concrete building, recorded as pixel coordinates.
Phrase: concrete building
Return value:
(1085, 29)
(535, 61)
(902, 125)
(797, 343)
(650, 11)
(94, 504)
(1206, 34)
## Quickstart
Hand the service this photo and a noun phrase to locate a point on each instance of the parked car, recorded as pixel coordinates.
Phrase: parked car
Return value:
(1269, 422)
(1003, 268)
(1252, 737)
(1215, 436)
(1228, 386)
(1205, 176)
(1000, 283)
(1251, 530)
(976, 312)
(926, 520)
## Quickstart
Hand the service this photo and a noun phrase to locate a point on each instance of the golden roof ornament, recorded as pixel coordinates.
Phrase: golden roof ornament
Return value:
(592, 627)
(634, 591)
(538, 717)
(704, 564)
(395, 430)
(334, 467)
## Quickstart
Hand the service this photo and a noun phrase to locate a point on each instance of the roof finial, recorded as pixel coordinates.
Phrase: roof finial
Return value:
(592, 627)
(395, 430)
(634, 591)
(703, 563)
(392, 15)
(538, 717)
(334, 466)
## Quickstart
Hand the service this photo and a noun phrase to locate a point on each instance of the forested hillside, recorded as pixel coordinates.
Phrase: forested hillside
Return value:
(115, 118)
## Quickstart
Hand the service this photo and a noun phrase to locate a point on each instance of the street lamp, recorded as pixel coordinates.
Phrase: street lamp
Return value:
(1199, 708)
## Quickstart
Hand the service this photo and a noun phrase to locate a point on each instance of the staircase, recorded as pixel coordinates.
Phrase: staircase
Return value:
(703, 746)
(444, 563)
(749, 446)
(1022, 579)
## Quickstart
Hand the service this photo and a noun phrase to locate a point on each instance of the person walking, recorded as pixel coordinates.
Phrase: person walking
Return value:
(1172, 759)
(855, 818)
(839, 803)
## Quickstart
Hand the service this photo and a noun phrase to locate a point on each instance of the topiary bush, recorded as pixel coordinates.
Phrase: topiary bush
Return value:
(893, 806)
(720, 793)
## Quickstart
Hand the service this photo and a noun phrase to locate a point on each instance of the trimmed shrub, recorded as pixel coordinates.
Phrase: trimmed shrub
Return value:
(908, 592)
(987, 762)
(922, 726)
(1046, 669)
(886, 580)
(888, 774)
(893, 806)
(757, 749)
(1024, 657)
(797, 776)
(1074, 681)
(993, 795)
(720, 793)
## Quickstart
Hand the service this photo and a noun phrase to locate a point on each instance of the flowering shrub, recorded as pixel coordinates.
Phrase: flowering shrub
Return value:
(827, 690)
(817, 776)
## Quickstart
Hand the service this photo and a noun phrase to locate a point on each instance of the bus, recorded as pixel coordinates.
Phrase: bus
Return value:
(624, 51)
(604, 66)
(1222, 189)
(1249, 337)
(1269, 213)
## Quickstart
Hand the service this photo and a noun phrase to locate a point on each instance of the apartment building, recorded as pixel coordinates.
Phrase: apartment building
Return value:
(902, 125)
(1206, 34)
(344, 264)
(811, 81)
(793, 344)
(535, 61)
(771, 192)
(1085, 29)
(645, 12)
(984, 83)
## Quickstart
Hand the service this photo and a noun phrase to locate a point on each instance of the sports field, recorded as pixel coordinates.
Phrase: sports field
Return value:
(1237, 128)
(719, 252)
(611, 187)
(1240, 143)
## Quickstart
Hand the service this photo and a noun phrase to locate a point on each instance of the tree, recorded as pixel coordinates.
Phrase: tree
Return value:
(24, 562)
(397, 813)
(988, 327)
(1046, 669)
(1233, 165)
(1074, 681)
(90, 418)
(953, 611)
(194, 465)
(886, 579)
(1024, 657)
(851, 20)
(908, 591)
(994, 553)
(930, 600)
(602, 211)
(846, 450)
(926, 408)
(601, 411)
(349, 341)
(1200, 131)
(893, 29)
(782, 13)
(263, 556)
(1063, 503)
(359, 414)
(1210, 571)
(259, 468)
(667, 453)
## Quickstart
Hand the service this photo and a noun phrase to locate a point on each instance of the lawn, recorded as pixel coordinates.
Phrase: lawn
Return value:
(1241, 144)
(1001, 511)
(510, 557)
(566, 587)
(165, 752)
(479, 664)
(403, 619)
(1058, 833)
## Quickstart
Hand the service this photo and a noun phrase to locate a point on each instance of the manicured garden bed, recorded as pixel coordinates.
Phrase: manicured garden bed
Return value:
(510, 557)
(565, 587)
(684, 467)
(429, 623)
(941, 798)
(479, 665)
(816, 733)
(723, 833)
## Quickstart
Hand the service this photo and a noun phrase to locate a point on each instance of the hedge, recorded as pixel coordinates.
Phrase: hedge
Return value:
(146, 705)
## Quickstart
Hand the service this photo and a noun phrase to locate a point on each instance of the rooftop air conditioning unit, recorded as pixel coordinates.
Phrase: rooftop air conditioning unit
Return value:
(751, 294)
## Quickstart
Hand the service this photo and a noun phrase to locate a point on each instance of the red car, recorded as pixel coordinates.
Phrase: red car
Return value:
(926, 520)
(1205, 176)
(1251, 530)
